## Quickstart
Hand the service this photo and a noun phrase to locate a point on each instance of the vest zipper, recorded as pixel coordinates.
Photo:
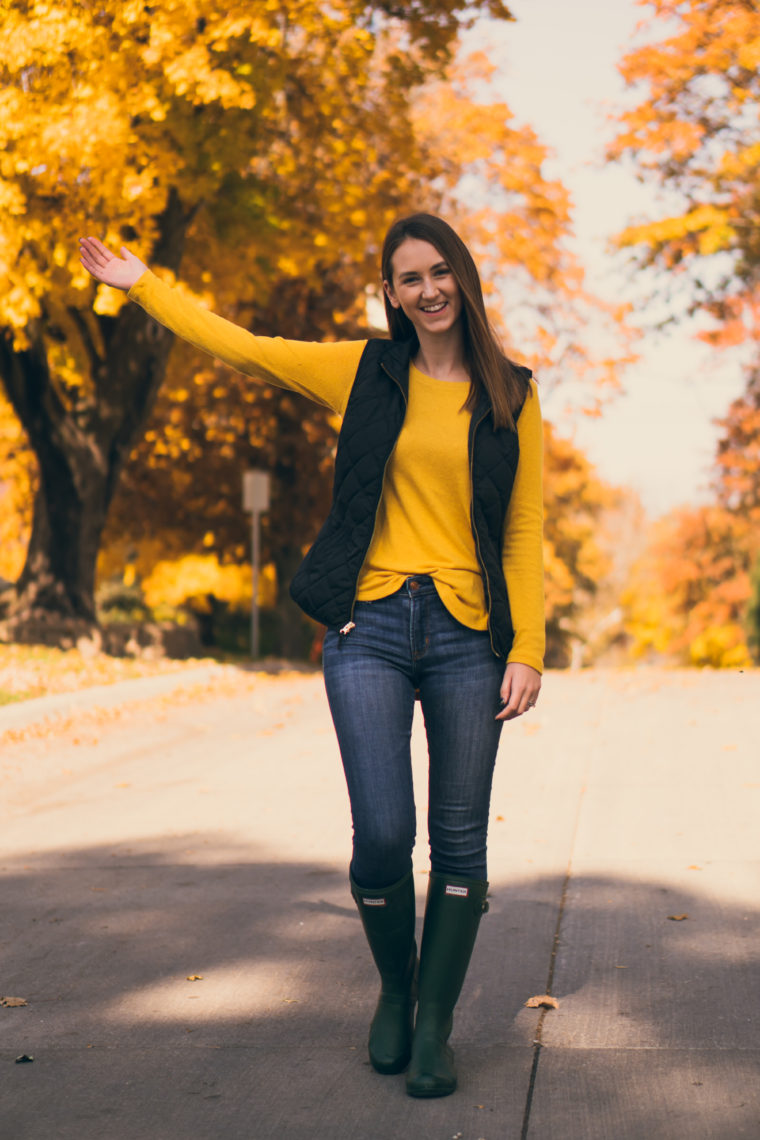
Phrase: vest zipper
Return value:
(350, 624)
(481, 563)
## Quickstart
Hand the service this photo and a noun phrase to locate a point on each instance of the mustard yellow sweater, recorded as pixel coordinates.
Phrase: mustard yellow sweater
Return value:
(423, 522)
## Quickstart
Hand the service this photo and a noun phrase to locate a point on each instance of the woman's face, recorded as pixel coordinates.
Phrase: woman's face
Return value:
(423, 287)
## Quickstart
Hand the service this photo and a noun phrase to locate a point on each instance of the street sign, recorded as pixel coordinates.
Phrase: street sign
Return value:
(255, 500)
(256, 491)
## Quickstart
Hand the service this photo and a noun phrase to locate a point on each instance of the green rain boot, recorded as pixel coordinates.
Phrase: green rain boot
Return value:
(452, 916)
(388, 920)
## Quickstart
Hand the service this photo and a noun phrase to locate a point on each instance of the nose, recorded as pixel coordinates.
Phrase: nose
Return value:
(429, 287)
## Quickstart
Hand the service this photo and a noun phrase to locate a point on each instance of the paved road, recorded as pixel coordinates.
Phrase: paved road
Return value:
(205, 832)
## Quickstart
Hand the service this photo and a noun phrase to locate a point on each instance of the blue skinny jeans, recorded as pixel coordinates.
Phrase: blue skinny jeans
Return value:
(406, 644)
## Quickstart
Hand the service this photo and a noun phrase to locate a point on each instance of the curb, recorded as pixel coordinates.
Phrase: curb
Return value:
(36, 709)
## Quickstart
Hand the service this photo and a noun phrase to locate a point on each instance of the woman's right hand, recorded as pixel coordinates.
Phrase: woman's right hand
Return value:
(118, 272)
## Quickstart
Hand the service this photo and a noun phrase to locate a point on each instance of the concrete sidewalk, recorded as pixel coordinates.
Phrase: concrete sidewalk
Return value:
(208, 838)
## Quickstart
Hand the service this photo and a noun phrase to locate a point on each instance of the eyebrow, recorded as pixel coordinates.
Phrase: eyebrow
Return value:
(415, 272)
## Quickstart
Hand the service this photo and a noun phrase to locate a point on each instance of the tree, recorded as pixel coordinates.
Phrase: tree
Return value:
(693, 594)
(694, 134)
(688, 593)
(738, 455)
(209, 422)
(17, 470)
(252, 138)
(753, 613)
(575, 500)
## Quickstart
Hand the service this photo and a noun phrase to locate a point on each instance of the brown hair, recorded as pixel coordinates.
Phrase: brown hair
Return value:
(486, 363)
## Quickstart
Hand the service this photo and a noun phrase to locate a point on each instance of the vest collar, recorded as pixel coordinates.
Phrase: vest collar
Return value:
(396, 358)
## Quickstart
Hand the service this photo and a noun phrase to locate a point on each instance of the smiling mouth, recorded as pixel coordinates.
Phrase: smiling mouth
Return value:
(434, 308)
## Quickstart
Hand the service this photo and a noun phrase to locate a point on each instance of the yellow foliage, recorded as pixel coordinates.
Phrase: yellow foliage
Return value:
(722, 647)
(649, 622)
(197, 575)
(694, 133)
(576, 563)
(285, 132)
(18, 477)
(688, 593)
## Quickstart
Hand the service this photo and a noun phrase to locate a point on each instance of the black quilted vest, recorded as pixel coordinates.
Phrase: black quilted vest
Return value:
(325, 584)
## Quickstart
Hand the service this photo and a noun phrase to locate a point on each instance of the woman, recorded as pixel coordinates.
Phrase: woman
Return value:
(428, 576)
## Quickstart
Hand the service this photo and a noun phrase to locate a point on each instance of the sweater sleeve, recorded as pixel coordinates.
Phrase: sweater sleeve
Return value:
(523, 541)
(323, 372)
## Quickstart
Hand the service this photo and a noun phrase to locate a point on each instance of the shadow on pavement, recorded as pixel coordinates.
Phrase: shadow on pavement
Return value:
(269, 1040)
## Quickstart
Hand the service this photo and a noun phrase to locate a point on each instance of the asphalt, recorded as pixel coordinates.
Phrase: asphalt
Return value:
(174, 911)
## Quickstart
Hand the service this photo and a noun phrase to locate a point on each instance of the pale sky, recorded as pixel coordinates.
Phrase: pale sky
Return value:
(557, 72)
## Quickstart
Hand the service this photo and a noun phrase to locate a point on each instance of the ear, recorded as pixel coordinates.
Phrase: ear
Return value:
(388, 289)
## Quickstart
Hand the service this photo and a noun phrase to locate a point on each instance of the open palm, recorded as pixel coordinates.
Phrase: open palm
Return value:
(119, 272)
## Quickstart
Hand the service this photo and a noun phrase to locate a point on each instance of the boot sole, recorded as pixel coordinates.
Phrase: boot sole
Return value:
(429, 1093)
(392, 1068)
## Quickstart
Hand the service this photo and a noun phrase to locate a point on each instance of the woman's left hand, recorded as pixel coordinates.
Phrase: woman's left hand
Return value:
(519, 690)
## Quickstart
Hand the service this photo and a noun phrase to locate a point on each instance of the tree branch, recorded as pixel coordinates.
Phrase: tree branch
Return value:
(85, 333)
(26, 378)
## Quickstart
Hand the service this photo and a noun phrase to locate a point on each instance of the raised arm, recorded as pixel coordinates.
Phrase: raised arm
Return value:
(118, 272)
(323, 372)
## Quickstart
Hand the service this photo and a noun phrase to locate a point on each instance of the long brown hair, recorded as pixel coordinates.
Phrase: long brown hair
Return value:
(486, 363)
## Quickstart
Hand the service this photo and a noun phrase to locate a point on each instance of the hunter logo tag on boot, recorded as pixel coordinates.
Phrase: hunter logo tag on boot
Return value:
(460, 892)
(373, 902)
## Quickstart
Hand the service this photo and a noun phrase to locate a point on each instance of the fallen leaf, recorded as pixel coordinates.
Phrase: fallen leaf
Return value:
(677, 917)
(194, 978)
(545, 1000)
(11, 1002)
(24, 1059)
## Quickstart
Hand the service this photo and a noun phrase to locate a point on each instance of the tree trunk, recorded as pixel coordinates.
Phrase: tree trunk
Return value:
(69, 513)
(82, 439)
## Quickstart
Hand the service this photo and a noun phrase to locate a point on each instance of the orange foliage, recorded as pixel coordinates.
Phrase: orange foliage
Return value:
(516, 221)
(696, 134)
(738, 458)
(691, 594)
(260, 151)
(688, 594)
(576, 562)
(257, 145)
(210, 423)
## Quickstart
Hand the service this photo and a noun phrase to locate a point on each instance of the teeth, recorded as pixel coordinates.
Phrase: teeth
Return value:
(433, 308)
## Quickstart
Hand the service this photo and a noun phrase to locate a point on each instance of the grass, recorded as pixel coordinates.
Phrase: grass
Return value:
(7, 697)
